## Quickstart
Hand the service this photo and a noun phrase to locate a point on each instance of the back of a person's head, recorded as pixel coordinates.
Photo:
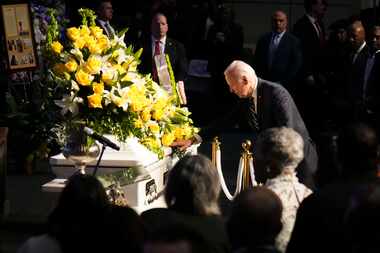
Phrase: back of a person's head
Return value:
(358, 148)
(176, 238)
(125, 227)
(362, 221)
(255, 218)
(193, 186)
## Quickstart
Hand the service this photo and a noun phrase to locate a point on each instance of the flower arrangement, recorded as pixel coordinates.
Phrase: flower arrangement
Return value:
(95, 81)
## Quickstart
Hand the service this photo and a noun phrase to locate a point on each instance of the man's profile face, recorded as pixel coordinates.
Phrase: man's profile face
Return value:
(159, 26)
(376, 38)
(356, 37)
(279, 22)
(106, 11)
(239, 86)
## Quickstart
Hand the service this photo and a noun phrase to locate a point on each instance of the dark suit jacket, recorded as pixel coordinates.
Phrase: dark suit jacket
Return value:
(373, 89)
(312, 49)
(286, 62)
(177, 56)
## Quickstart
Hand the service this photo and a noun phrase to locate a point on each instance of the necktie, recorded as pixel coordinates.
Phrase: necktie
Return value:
(252, 117)
(272, 48)
(320, 33)
(109, 30)
(157, 51)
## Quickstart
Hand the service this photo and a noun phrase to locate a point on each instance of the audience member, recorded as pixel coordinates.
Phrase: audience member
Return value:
(280, 150)
(156, 46)
(192, 194)
(255, 221)
(320, 218)
(278, 55)
(104, 14)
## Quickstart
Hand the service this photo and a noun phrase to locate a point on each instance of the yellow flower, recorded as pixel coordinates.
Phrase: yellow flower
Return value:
(138, 123)
(84, 31)
(103, 42)
(108, 76)
(157, 114)
(95, 101)
(71, 65)
(145, 114)
(98, 88)
(79, 43)
(119, 68)
(93, 64)
(94, 48)
(154, 127)
(59, 68)
(96, 31)
(73, 33)
(57, 47)
(83, 77)
(167, 139)
(160, 104)
(179, 133)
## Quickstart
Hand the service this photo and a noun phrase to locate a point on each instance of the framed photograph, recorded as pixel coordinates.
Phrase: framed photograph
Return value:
(19, 37)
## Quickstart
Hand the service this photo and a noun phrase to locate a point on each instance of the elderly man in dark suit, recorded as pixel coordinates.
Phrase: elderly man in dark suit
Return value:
(278, 55)
(159, 43)
(266, 104)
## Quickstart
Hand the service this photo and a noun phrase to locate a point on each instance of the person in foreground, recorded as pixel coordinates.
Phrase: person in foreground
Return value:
(280, 150)
(265, 105)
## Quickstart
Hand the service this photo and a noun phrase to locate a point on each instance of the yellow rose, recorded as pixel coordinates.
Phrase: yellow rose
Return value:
(71, 65)
(84, 31)
(145, 115)
(157, 114)
(94, 101)
(73, 33)
(83, 77)
(98, 88)
(167, 139)
(93, 64)
(154, 127)
(94, 48)
(96, 31)
(103, 42)
(138, 123)
(179, 133)
(79, 43)
(56, 47)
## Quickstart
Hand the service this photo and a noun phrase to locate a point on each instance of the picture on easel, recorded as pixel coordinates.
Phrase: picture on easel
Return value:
(18, 37)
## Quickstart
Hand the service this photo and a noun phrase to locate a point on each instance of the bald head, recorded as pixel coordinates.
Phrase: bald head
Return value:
(279, 21)
(241, 78)
(356, 34)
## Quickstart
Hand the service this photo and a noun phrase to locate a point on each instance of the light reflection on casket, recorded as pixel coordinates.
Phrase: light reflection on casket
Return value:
(140, 173)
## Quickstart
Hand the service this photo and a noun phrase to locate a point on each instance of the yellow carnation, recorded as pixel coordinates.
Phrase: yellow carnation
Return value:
(167, 139)
(93, 64)
(157, 114)
(145, 115)
(96, 31)
(56, 47)
(73, 33)
(154, 127)
(98, 88)
(71, 65)
(83, 77)
(94, 101)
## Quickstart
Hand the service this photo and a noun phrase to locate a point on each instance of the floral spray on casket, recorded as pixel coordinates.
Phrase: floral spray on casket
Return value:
(95, 82)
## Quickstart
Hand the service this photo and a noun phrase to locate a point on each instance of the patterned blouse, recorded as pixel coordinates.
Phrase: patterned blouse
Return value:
(291, 192)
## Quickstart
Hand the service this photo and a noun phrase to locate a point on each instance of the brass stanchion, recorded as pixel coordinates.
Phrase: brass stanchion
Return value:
(214, 148)
(246, 155)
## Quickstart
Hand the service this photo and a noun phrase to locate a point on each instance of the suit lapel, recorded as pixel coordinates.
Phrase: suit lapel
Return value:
(259, 96)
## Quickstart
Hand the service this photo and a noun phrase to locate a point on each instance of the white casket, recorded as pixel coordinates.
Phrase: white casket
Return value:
(144, 175)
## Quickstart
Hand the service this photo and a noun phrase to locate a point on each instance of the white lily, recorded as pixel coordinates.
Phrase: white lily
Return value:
(69, 103)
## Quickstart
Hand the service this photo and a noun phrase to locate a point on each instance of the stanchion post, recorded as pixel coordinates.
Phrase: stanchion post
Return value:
(215, 147)
(246, 154)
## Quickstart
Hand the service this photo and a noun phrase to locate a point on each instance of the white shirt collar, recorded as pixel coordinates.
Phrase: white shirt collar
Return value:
(312, 19)
(361, 47)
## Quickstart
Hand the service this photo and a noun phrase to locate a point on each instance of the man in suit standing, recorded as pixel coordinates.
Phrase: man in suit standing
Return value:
(309, 29)
(266, 104)
(160, 44)
(104, 16)
(278, 55)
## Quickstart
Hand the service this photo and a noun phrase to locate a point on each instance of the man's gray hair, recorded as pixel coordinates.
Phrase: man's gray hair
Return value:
(281, 148)
(239, 68)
